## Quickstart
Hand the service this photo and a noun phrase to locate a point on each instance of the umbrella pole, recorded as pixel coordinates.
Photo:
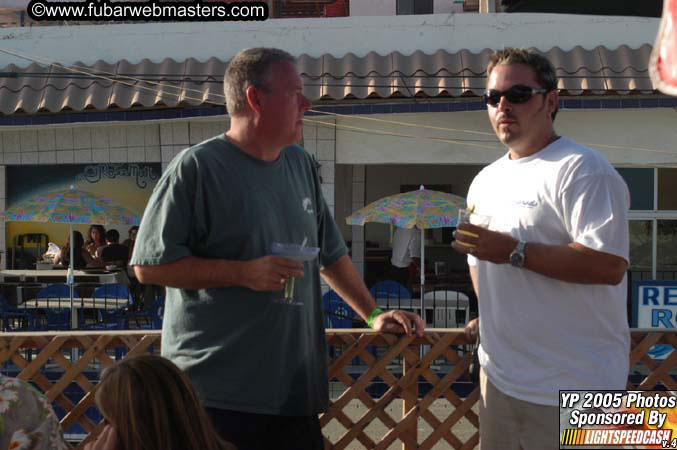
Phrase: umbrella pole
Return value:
(422, 270)
(69, 277)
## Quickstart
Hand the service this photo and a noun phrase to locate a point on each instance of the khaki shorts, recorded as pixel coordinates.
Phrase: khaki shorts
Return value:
(507, 423)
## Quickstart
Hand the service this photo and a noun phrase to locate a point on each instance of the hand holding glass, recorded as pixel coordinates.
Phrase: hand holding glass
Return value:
(298, 253)
(467, 216)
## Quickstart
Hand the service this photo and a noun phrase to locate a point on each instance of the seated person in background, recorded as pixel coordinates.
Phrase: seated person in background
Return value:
(129, 243)
(27, 418)
(406, 253)
(147, 402)
(96, 237)
(113, 253)
(81, 257)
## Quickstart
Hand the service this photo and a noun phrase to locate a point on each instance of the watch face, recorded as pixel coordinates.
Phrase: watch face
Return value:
(517, 259)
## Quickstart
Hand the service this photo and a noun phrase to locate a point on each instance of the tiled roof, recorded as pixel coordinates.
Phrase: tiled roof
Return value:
(54, 89)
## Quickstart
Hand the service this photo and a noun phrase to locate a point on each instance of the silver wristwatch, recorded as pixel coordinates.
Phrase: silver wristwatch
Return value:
(517, 257)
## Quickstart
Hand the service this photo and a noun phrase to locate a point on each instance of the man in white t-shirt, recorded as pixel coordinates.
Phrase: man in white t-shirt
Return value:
(406, 250)
(549, 271)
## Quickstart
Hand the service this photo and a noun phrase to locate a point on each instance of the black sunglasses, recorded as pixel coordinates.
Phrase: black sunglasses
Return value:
(516, 94)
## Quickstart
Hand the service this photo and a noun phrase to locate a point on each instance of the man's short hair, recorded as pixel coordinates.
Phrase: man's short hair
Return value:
(542, 67)
(112, 235)
(250, 67)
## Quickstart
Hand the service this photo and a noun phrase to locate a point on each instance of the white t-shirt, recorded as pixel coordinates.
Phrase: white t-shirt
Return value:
(538, 334)
(406, 244)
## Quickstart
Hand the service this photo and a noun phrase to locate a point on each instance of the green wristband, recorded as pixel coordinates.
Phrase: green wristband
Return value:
(372, 316)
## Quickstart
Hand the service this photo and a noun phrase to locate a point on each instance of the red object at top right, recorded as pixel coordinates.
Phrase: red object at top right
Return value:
(663, 62)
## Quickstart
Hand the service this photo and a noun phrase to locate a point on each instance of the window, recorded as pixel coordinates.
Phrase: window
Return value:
(653, 222)
(641, 235)
(406, 7)
(666, 256)
(640, 184)
(667, 189)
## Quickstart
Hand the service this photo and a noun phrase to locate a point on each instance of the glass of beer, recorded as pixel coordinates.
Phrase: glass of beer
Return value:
(468, 216)
(296, 252)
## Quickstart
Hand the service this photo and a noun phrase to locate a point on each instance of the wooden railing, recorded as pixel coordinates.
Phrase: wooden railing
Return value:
(387, 391)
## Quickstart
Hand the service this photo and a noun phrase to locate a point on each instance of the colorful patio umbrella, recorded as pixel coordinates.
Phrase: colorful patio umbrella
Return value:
(422, 208)
(71, 206)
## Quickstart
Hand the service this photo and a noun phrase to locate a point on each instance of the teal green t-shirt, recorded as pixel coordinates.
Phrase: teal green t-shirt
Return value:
(242, 350)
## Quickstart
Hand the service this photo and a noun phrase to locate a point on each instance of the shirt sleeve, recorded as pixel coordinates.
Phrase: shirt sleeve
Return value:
(595, 212)
(30, 421)
(168, 220)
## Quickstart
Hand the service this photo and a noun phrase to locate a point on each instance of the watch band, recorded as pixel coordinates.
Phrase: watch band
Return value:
(520, 247)
(517, 256)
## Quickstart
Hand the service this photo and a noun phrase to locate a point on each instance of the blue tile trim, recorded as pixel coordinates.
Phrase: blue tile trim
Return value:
(649, 103)
(362, 109)
(343, 109)
(570, 104)
(375, 108)
(420, 107)
(629, 103)
(668, 102)
(439, 107)
(611, 103)
(591, 104)
(401, 108)
(381, 109)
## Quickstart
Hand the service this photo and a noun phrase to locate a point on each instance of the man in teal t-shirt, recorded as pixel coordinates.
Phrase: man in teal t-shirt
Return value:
(259, 365)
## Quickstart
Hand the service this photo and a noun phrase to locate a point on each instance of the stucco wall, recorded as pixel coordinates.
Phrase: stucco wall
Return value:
(647, 136)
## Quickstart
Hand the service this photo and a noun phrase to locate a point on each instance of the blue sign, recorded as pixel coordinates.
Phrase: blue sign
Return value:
(654, 305)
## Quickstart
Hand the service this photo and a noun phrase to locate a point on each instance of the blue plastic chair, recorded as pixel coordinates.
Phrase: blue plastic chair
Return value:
(59, 316)
(389, 289)
(113, 291)
(337, 313)
(153, 317)
(158, 313)
(58, 292)
(57, 319)
(117, 293)
(15, 319)
(107, 318)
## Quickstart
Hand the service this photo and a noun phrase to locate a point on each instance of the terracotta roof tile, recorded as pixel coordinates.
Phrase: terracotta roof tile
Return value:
(170, 83)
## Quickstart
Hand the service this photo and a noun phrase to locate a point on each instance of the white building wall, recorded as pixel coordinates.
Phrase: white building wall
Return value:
(625, 136)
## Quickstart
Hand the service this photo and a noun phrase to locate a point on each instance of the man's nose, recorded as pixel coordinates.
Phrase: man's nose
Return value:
(504, 104)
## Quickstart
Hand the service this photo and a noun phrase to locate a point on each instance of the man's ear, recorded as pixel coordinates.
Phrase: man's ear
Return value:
(253, 99)
(552, 101)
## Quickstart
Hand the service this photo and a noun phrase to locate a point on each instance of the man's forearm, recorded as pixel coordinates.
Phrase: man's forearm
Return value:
(348, 284)
(192, 272)
(575, 263)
